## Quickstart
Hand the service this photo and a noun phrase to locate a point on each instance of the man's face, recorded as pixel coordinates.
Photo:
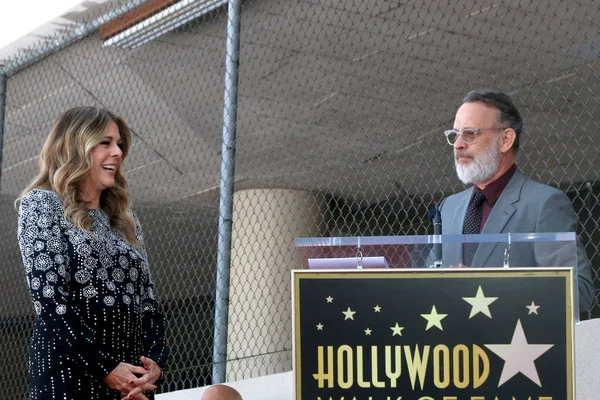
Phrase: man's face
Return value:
(478, 161)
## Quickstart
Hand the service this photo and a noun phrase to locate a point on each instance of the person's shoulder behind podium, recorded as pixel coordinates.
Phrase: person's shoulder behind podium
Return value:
(485, 138)
(98, 330)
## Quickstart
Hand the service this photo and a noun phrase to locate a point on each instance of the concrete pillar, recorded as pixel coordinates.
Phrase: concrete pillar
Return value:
(265, 223)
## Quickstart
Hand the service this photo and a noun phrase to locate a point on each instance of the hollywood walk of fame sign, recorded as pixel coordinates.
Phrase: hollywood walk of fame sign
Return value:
(453, 334)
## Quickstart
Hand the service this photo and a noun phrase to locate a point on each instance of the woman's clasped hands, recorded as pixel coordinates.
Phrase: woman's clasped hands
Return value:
(132, 381)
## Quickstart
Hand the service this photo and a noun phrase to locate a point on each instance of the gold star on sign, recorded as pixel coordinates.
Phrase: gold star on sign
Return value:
(329, 299)
(368, 332)
(349, 314)
(396, 330)
(320, 326)
(434, 319)
(533, 308)
(377, 308)
(480, 303)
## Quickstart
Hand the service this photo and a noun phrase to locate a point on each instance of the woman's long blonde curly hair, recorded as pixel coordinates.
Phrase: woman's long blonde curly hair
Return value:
(66, 159)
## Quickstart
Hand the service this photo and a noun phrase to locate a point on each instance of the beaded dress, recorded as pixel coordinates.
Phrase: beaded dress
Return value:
(93, 298)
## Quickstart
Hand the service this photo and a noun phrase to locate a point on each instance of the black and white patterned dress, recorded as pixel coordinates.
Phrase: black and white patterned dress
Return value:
(94, 301)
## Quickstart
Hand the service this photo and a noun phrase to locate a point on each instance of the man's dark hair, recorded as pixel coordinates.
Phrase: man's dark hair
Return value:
(508, 115)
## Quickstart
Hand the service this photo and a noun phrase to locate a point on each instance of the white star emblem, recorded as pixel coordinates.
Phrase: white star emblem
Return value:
(519, 356)
(377, 308)
(329, 299)
(397, 330)
(434, 319)
(320, 326)
(368, 332)
(480, 303)
(533, 308)
(349, 314)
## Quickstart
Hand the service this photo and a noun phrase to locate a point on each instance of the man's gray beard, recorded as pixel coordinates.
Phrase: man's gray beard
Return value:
(482, 166)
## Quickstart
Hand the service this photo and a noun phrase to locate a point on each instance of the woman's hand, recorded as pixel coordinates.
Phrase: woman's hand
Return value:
(145, 382)
(124, 379)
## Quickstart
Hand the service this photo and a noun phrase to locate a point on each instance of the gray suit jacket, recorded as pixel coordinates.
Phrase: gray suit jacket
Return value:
(525, 206)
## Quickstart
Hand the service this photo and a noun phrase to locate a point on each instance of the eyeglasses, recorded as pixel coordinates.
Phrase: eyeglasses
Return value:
(468, 134)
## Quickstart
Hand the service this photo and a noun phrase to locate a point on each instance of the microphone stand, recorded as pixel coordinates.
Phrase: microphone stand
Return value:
(437, 230)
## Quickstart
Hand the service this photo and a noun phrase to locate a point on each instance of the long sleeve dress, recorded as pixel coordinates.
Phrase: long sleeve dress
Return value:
(93, 298)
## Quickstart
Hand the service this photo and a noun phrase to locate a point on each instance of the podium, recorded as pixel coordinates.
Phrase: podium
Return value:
(415, 328)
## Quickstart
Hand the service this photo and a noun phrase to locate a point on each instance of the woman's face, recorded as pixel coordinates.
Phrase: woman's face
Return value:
(106, 159)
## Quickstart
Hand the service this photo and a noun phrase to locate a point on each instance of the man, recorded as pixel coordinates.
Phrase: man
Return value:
(485, 138)
(221, 392)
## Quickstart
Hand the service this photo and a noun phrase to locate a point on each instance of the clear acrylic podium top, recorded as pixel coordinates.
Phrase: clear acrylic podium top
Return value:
(556, 249)
(502, 250)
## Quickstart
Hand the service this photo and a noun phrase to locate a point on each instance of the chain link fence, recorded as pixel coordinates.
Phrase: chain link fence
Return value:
(340, 114)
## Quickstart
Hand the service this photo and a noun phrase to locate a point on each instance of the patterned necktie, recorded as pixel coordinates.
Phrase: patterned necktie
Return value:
(472, 225)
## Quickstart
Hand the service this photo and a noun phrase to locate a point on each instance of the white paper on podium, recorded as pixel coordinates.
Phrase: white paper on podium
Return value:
(347, 263)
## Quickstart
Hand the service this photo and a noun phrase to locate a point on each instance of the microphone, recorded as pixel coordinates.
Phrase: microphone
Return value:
(437, 230)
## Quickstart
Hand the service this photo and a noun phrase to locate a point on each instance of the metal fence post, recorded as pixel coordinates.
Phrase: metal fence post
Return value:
(226, 196)
(3, 79)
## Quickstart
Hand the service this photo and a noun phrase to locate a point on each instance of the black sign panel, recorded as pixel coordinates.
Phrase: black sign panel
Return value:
(461, 334)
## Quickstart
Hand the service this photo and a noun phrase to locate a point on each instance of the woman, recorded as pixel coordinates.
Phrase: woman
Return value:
(98, 333)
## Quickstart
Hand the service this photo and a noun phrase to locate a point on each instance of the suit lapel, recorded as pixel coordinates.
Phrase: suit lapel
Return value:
(501, 213)
(452, 224)
(461, 211)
